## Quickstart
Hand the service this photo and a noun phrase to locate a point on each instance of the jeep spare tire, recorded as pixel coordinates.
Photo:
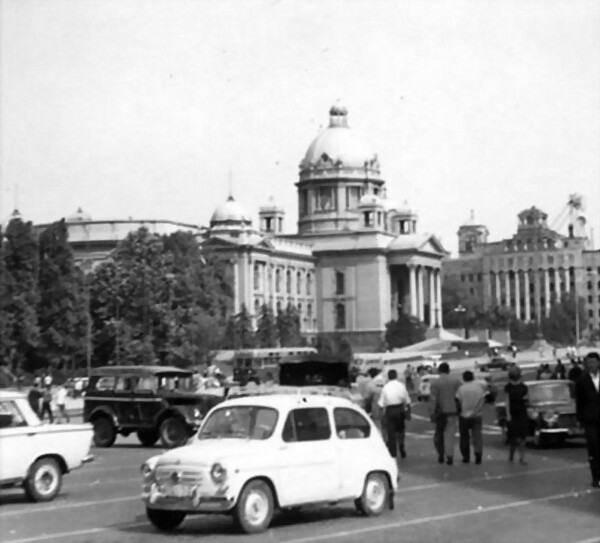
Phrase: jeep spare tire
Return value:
(105, 432)
(173, 432)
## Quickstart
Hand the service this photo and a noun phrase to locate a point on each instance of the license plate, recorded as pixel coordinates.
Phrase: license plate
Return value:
(179, 491)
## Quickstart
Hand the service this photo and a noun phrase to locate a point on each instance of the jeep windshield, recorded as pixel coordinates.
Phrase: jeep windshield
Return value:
(242, 422)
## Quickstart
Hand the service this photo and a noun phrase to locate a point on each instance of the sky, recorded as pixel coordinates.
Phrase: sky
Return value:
(147, 108)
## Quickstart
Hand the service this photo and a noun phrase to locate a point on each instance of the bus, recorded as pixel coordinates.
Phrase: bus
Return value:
(256, 363)
(362, 362)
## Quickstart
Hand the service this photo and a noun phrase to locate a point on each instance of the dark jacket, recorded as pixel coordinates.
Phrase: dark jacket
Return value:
(443, 395)
(588, 401)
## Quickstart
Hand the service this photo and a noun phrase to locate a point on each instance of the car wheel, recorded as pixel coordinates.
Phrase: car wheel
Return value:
(165, 521)
(255, 507)
(44, 480)
(105, 432)
(375, 495)
(173, 433)
(148, 437)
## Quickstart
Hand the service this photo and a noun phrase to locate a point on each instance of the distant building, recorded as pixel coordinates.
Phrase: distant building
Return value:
(532, 270)
(356, 261)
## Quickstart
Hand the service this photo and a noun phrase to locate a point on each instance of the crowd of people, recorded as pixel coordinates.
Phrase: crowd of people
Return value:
(456, 403)
(43, 396)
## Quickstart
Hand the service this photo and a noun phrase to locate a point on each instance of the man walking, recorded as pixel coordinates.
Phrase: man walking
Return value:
(61, 399)
(444, 413)
(34, 397)
(46, 404)
(587, 394)
(395, 402)
(471, 398)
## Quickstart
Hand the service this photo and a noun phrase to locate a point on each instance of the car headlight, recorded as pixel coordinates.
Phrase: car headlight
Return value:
(197, 413)
(218, 473)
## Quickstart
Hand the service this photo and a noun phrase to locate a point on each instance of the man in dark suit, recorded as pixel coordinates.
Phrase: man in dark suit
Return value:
(587, 394)
(444, 413)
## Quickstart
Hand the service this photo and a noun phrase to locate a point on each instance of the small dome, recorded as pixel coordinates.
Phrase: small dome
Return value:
(405, 209)
(370, 200)
(230, 211)
(79, 216)
(270, 206)
(338, 147)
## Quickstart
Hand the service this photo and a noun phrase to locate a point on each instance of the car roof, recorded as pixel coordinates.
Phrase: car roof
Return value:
(548, 382)
(140, 371)
(7, 394)
(289, 401)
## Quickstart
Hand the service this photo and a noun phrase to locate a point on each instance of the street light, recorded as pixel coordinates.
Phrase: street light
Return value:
(462, 310)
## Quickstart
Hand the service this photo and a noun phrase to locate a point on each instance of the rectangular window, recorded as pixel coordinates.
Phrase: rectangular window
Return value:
(590, 299)
(326, 199)
(350, 424)
(353, 195)
(340, 287)
(309, 284)
(304, 203)
(310, 424)
(340, 316)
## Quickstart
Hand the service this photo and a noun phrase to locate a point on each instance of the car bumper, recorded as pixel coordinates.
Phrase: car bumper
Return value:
(196, 503)
(562, 431)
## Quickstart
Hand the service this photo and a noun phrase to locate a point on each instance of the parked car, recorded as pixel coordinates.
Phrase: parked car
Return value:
(498, 363)
(256, 454)
(156, 402)
(35, 455)
(424, 388)
(552, 412)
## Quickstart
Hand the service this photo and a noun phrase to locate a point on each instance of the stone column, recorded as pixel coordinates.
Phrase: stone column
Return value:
(420, 294)
(517, 294)
(507, 288)
(236, 286)
(547, 290)
(438, 295)
(413, 290)
(489, 294)
(431, 298)
(567, 280)
(557, 285)
(498, 293)
(537, 294)
(526, 278)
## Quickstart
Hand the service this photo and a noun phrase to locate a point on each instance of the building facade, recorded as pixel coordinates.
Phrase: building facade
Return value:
(531, 271)
(356, 261)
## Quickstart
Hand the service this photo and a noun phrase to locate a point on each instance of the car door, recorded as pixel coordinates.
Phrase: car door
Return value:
(16, 442)
(123, 401)
(306, 458)
(356, 451)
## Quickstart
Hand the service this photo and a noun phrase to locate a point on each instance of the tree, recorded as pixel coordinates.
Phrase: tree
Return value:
(239, 333)
(460, 308)
(20, 270)
(560, 325)
(62, 314)
(406, 330)
(266, 329)
(288, 326)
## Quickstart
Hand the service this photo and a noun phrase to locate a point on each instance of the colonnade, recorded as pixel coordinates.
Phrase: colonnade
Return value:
(529, 292)
(419, 275)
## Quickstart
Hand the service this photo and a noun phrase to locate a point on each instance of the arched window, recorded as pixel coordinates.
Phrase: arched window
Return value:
(288, 281)
(299, 283)
(256, 307)
(340, 316)
(309, 283)
(277, 280)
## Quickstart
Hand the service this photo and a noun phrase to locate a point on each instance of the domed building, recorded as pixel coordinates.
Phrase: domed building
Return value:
(356, 261)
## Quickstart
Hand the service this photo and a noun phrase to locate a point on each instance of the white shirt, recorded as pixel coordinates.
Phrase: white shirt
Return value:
(394, 393)
(596, 380)
(61, 396)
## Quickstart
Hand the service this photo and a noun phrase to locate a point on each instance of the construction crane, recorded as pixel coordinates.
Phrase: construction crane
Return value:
(570, 214)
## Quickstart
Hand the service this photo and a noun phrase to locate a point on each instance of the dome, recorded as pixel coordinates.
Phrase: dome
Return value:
(271, 206)
(79, 216)
(370, 200)
(405, 209)
(339, 147)
(230, 211)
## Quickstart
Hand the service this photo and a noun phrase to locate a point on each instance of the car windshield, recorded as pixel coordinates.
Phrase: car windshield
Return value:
(246, 422)
(555, 392)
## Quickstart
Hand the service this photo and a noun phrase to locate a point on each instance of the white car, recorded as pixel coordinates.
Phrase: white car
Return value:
(424, 389)
(258, 454)
(36, 455)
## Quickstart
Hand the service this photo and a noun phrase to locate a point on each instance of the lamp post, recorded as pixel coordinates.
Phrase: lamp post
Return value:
(462, 311)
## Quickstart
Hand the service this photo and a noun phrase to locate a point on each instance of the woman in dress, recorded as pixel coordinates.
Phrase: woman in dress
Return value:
(516, 410)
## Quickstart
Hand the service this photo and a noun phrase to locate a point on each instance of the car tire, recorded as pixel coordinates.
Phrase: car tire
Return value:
(44, 480)
(173, 433)
(255, 506)
(165, 521)
(375, 495)
(148, 437)
(105, 433)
